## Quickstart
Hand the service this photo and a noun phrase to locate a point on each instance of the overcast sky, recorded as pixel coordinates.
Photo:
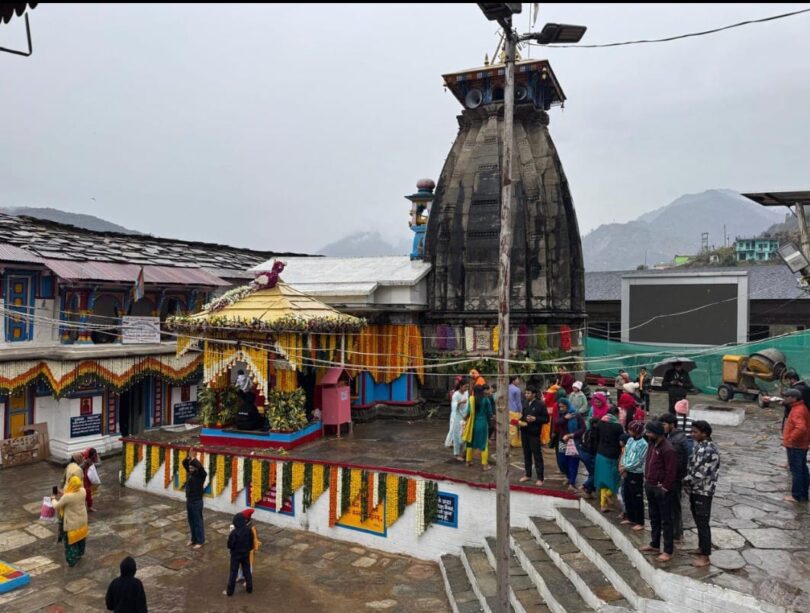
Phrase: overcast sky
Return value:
(285, 127)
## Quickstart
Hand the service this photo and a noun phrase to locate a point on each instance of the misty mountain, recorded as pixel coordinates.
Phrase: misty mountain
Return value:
(675, 229)
(365, 244)
(80, 220)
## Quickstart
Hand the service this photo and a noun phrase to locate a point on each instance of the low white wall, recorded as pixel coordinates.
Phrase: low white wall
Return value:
(57, 414)
(476, 517)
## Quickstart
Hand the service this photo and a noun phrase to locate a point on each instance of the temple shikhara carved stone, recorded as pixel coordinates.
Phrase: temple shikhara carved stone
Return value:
(461, 240)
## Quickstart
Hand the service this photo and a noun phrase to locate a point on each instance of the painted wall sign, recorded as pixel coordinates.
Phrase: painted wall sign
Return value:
(268, 503)
(140, 330)
(185, 393)
(86, 406)
(448, 510)
(375, 524)
(85, 425)
(183, 411)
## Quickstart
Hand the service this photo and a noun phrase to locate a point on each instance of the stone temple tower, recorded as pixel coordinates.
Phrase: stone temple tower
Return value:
(461, 240)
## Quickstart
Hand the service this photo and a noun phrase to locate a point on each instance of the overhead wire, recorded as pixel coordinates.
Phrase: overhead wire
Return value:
(679, 36)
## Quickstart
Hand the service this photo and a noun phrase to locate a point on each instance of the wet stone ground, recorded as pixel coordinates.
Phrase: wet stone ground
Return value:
(762, 543)
(294, 570)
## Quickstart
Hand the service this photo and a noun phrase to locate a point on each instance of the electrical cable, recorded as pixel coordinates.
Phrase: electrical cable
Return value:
(677, 37)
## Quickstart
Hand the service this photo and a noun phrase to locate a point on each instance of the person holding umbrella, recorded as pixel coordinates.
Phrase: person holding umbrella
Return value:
(677, 383)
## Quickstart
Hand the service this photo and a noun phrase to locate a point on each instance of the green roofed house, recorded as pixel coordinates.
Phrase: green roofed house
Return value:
(756, 249)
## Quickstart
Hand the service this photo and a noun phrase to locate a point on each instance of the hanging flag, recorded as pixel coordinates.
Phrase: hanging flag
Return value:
(138, 289)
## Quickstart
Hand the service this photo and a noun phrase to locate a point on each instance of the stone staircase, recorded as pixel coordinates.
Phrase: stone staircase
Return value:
(565, 564)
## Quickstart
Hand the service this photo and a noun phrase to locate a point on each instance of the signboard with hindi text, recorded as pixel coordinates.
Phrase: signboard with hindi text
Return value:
(85, 425)
(140, 330)
(374, 524)
(447, 514)
(183, 411)
(268, 502)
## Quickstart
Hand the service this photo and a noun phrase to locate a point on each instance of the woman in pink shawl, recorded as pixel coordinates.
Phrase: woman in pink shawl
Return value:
(599, 404)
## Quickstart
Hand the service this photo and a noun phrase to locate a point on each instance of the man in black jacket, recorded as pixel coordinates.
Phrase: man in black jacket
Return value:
(195, 484)
(677, 383)
(240, 542)
(532, 418)
(125, 594)
(677, 438)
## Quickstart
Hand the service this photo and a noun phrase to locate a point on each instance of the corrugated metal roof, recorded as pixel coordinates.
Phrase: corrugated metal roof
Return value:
(335, 289)
(10, 253)
(109, 271)
(768, 282)
(390, 270)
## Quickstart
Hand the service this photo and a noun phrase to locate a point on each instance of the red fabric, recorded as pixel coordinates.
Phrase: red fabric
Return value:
(247, 513)
(565, 338)
(88, 488)
(567, 382)
(627, 401)
(797, 428)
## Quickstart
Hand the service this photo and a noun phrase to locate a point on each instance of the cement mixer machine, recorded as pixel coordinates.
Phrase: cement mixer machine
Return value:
(740, 375)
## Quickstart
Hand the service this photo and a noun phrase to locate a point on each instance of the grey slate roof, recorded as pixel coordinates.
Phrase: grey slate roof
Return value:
(765, 282)
(58, 241)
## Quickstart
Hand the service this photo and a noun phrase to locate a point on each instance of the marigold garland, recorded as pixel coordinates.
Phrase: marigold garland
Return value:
(392, 497)
(234, 480)
(130, 454)
(297, 475)
(181, 470)
(147, 473)
(356, 482)
(256, 482)
(167, 468)
(364, 500)
(402, 494)
(287, 482)
(411, 491)
(345, 490)
(218, 481)
(140, 451)
(333, 478)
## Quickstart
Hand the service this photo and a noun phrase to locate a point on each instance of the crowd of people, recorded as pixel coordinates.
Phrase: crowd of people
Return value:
(629, 456)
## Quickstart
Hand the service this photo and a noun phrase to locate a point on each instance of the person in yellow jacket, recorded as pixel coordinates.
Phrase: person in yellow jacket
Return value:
(73, 513)
(248, 515)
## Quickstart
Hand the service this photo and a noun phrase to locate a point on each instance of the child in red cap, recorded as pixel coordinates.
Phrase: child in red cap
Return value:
(248, 515)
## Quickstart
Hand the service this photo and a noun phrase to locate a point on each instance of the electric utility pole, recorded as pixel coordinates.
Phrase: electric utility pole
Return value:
(502, 13)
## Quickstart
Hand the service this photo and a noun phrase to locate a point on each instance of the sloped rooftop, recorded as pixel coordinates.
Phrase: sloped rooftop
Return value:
(57, 241)
(356, 274)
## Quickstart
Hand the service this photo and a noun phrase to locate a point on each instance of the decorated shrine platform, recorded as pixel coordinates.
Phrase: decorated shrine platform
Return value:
(12, 578)
(229, 437)
(407, 447)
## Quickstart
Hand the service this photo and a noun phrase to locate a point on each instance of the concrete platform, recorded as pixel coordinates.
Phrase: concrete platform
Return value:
(718, 415)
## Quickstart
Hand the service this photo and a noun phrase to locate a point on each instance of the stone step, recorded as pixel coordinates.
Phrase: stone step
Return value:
(606, 555)
(523, 593)
(557, 591)
(457, 585)
(590, 582)
(481, 576)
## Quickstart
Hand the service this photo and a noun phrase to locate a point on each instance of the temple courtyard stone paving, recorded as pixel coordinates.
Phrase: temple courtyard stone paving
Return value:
(294, 570)
(761, 540)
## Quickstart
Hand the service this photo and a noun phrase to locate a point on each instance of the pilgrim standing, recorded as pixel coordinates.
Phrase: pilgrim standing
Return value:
(72, 510)
(632, 471)
(677, 438)
(700, 482)
(796, 439)
(458, 413)
(572, 427)
(195, 483)
(677, 383)
(533, 415)
(660, 473)
(125, 594)
(240, 545)
(476, 431)
(608, 433)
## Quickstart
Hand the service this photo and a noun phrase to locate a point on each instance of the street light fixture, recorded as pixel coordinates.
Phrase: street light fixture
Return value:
(560, 33)
(551, 33)
(793, 257)
(495, 11)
